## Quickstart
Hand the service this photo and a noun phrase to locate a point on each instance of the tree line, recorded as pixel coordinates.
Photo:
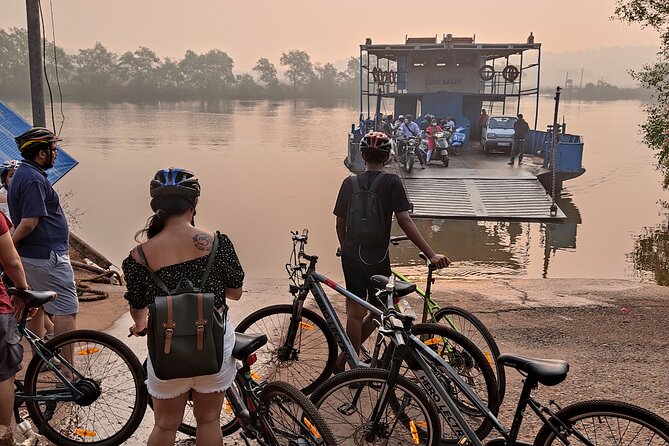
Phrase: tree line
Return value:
(600, 91)
(97, 74)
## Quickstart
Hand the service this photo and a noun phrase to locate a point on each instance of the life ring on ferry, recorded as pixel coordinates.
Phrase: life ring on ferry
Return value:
(486, 72)
(510, 73)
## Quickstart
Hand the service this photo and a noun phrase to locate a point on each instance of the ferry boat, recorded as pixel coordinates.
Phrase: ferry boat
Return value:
(460, 77)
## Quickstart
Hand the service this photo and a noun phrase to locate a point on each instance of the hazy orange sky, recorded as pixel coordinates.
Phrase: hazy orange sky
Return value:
(327, 30)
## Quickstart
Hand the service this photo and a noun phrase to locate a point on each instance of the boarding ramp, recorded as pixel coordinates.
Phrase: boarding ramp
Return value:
(481, 194)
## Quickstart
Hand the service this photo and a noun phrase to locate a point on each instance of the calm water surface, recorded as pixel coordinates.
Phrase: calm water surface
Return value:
(267, 168)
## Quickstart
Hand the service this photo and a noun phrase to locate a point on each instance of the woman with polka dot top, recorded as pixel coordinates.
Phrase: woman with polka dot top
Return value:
(175, 249)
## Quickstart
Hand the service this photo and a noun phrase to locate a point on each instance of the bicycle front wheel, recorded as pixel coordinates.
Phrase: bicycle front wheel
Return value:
(306, 363)
(114, 397)
(289, 418)
(347, 401)
(469, 363)
(604, 423)
(469, 325)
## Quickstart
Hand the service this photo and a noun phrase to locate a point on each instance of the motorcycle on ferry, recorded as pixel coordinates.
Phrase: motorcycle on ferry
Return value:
(442, 145)
(406, 152)
(457, 140)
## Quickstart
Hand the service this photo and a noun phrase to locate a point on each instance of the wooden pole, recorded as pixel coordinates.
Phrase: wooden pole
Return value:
(35, 59)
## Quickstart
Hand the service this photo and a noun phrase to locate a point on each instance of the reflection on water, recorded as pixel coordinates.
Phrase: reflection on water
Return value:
(650, 257)
(269, 167)
(496, 248)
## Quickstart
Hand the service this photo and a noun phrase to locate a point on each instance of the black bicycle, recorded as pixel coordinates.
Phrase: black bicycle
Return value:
(302, 346)
(271, 413)
(364, 406)
(81, 387)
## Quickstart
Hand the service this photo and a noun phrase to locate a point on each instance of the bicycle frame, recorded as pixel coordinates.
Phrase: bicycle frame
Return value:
(69, 392)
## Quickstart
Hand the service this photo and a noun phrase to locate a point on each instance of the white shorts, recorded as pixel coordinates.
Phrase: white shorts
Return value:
(217, 382)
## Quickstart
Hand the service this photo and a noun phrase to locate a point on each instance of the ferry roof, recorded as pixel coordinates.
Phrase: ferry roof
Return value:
(448, 44)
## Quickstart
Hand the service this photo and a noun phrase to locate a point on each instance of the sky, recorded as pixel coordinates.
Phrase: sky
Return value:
(329, 31)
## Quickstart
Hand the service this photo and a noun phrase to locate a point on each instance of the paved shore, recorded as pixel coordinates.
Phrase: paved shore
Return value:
(614, 333)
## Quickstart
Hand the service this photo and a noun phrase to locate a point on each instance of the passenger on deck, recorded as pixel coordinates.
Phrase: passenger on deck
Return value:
(387, 125)
(426, 122)
(483, 118)
(398, 123)
(431, 141)
(409, 128)
(449, 123)
(520, 130)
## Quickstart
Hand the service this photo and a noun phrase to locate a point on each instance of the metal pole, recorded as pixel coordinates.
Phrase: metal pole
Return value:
(35, 60)
(554, 145)
(536, 107)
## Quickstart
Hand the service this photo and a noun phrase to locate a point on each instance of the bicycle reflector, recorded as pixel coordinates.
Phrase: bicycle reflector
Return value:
(312, 428)
(251, 359)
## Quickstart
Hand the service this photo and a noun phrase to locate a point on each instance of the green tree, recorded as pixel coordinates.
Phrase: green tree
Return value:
(14, 74)
(246, 86)
(138, 70)
(266, 72)
(654, 77)
(95, 73)
(300, 69)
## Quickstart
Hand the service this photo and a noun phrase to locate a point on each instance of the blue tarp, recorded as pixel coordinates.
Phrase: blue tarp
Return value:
(11, 125)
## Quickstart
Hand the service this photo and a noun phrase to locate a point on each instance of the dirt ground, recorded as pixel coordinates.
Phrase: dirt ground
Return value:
(614, 333)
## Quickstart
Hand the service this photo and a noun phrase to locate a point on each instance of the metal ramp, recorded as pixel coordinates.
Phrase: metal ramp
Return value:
(481, 197)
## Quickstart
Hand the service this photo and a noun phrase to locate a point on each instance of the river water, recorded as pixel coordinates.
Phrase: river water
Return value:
(268, 167)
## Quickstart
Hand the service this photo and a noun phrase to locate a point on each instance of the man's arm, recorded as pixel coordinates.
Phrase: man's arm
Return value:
(341, 230)
(25, 227)
(410, 229)
(11, 262)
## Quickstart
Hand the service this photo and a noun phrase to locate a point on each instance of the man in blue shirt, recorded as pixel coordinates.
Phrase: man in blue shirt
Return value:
(42, 235)
(409, 128)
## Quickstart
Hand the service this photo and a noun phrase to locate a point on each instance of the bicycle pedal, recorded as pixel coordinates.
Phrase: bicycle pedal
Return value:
(346, 410)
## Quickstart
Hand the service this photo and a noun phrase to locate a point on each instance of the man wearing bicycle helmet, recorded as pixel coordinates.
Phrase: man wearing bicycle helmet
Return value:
(361, 260)
(42, 234)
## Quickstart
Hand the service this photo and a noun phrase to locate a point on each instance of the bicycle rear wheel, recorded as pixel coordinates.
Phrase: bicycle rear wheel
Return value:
(307, 363)
(604, 423)
(114, 398)
(347, 401)
(289, 418)
(471, 326)
(469, 363)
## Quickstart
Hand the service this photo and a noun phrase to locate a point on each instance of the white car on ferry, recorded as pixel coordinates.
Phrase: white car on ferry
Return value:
(497, 134)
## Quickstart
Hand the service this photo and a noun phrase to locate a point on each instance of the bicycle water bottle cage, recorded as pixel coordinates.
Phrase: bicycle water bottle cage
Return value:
(401, 288)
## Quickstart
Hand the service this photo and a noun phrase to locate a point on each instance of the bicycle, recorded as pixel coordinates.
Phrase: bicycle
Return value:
(457, 318)
(104, 401)
(302, 346)
(357, 403)
(273, 414)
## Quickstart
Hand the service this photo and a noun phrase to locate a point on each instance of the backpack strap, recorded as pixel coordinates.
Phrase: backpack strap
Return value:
(355, 184)
(375, 182)
(210, 260)
(154, 276)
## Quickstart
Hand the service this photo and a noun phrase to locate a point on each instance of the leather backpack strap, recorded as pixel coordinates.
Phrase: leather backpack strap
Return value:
(169, 325)
(154, 276)
(210, 260)
(201, 321)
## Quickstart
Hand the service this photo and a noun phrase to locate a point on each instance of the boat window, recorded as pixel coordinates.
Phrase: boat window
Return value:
(441, 62)
(465, 60)
(501, 123)
(419, 62)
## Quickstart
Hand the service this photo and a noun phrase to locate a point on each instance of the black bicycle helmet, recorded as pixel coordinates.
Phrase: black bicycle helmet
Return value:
(174, 181)
(34, 137)
(377, 141)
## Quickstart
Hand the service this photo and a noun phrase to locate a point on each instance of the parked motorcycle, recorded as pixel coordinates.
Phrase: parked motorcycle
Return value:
(457, 140)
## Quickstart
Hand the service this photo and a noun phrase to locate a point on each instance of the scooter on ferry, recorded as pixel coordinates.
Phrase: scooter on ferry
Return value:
(457, 140)
(441, 148)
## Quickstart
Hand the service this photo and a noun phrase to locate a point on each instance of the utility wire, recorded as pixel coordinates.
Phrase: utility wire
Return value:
(55, 62)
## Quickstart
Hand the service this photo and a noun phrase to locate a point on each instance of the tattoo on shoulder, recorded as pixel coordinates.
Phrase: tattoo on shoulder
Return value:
(203, 241)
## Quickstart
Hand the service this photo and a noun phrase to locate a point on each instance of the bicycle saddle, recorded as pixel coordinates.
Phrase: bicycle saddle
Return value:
(30, 298)
(246, 344)
(401, 288)
(548, 372)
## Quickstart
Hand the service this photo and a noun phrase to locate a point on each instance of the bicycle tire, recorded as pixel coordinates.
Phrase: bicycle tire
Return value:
(471, 326)
(330, 398)
(470, 364)
(607, 420)
(307, 369)
(302, 415)
(110, 364)
(188, 424)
